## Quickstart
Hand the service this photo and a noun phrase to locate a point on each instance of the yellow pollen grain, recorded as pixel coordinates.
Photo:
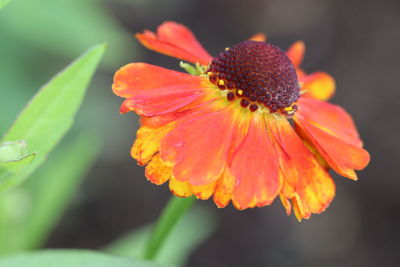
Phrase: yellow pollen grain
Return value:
(209, 73)
(289, 110)
(221, 82)
(226, 48)
(240, 92)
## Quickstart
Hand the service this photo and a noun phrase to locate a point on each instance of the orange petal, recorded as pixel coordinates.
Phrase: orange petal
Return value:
(319, 85)
(226, 183)
(199, 145)
(255, 168)
(286, 204)
(134, 78)
(176, 40)
(330, 118)
(300, 76)
(331, 131)
(147, 142)
(296, 52)
(161, 120)
(157, 171)
(311, 188)
(225, 188)
(194, 107)
(259, 37)
(204, 191)
(179, 188)
(152, 90)
(161, 101)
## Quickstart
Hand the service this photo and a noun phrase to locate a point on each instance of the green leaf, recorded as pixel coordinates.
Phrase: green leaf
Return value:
(47, 196)
(11, 168)
(3, 3)
(194, 228)
(13, 151)
(50, 114)
(13, 157)
(71, 258)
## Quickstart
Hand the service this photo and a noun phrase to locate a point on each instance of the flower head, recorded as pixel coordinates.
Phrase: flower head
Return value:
(251, 126)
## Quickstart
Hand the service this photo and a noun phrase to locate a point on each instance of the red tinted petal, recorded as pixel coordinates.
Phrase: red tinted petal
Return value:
(134, 78)
(153, 90)
(319, 85)
(296, 52)
(343, 157)
(176, 40)
(198, 147)
(160, 120)
(255, 168)
(161, 101)
(331, 131)
(330, 118)
(307, 183)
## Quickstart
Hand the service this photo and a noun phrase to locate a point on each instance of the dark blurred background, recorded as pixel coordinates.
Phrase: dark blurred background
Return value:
(356, 41)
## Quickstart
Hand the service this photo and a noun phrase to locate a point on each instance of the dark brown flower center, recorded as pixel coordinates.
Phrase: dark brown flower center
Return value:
(257, 72)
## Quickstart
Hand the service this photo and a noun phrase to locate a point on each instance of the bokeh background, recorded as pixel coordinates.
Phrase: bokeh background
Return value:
(356, 41)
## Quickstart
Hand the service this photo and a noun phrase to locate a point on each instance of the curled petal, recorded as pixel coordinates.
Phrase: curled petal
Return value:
(307, 183)
(319, 85)
(157, 171)
(147, 142)
(255, 168)
(224, 190)
(175, 40)
(296, 53)
(332, 132)
(286, 204)
(259, 37)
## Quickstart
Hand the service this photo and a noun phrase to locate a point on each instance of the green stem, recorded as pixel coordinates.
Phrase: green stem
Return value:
(171, 214)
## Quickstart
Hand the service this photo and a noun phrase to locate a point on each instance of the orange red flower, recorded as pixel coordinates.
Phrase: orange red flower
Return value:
(250, 126)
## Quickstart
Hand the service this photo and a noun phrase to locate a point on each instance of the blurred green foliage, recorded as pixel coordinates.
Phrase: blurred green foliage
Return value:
(73, 258)
(3, 3)
(64, 28)
(194, 228)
